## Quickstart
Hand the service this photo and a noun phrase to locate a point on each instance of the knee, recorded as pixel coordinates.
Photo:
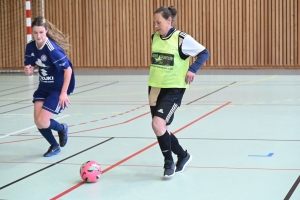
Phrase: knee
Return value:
(155, 124)
(42, 122)
(158, 126)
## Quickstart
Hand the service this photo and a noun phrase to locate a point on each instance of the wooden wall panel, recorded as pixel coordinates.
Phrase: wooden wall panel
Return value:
(12, 32)
(116, 33)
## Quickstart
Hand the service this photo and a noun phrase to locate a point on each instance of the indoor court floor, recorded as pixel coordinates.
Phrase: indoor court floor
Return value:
(240, 126)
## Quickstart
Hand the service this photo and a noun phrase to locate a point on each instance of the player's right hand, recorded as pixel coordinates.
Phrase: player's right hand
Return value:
(28, 70)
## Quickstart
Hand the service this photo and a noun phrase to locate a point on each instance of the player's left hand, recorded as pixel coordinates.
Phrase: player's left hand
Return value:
(64, 100)
(189, 78)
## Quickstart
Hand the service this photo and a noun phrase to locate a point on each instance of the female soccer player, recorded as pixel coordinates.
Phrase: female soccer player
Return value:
(170, 75)
(48, 51)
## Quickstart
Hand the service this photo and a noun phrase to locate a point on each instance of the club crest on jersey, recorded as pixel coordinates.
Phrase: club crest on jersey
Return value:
(44, 58)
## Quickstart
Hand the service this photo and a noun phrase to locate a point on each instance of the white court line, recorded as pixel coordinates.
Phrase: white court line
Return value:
(14, 114)
(28, 128)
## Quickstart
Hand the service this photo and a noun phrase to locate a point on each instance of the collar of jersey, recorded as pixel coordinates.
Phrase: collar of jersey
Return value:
(42, 45)
(169, 34)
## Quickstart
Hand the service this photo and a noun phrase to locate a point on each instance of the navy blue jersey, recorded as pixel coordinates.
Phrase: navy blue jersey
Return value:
(51, 60)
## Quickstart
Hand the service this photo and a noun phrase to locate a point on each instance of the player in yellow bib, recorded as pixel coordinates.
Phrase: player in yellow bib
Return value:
(170, 75)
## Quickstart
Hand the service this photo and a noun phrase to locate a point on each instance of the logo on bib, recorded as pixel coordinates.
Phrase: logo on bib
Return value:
(162, 59)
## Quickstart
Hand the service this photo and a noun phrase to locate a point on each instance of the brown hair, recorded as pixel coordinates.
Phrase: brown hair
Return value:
(167, 12)
(53, 33)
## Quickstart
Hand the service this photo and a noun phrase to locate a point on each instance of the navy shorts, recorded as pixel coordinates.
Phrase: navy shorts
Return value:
(50, 99)
(164, 102)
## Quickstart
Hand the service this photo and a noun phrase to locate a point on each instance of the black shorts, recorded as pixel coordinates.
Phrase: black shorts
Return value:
(164, 102)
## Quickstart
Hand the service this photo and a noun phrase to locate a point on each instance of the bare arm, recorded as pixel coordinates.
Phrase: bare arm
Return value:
(63, 98)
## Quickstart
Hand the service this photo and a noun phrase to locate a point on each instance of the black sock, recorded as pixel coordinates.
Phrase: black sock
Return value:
(47, 133)
(176, 148)
(54, 125)
(164, 142)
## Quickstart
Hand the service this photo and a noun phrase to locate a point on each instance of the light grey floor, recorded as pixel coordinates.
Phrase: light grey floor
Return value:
(241, 126)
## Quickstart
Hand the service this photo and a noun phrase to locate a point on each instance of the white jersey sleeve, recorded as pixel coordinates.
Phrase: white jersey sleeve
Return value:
(191, 47)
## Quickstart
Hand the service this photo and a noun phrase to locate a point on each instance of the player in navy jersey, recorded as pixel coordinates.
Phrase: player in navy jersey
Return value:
(170, 75)
(48, 51)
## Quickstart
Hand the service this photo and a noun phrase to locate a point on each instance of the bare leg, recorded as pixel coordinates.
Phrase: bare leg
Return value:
(41, 116)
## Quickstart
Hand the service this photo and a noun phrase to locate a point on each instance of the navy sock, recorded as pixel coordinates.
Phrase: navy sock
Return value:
(164, 142)
(47, 133)
(176, 148)
(54, 125)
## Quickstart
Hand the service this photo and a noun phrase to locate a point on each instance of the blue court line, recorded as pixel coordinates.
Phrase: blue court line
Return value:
(269, 155)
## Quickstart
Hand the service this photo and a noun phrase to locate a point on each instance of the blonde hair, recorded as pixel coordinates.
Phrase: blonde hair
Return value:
(53, 33)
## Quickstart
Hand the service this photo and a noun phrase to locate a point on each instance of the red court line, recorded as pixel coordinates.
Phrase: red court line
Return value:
(126, 112)
(246, 168)
(21, 140)
(140, 151)
(23, 133)
(79, 124)
(111, 124)
(81, 130)
(159, 166)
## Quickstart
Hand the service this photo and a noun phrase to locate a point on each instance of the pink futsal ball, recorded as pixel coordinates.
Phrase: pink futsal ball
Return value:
(90, 171)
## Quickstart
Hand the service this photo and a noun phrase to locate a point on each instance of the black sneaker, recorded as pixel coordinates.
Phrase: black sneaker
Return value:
(53, 150)
(63, 136)
(182, 162)
(169, 168)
